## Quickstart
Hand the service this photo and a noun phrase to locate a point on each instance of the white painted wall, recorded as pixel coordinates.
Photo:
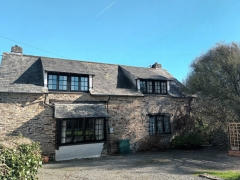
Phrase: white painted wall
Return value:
(79, 151)
(90, 82)
(45, 78)
(138, 85)
(168, 85)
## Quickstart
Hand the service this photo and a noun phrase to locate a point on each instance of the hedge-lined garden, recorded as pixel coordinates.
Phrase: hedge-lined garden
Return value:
(20, 158)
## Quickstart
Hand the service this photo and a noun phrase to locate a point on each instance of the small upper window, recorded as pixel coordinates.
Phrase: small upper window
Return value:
(153, 86)
(62, 83)
(84, 83)
(143, 86)
(149, 86)
(157, 87)
(74, 83)
(52, 82)
(67, 82)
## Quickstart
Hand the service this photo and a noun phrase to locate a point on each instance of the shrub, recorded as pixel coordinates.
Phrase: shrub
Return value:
(20, 158)
(192, 140)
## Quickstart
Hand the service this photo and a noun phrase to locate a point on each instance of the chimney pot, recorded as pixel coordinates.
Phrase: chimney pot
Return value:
(156, 66)
(16, 49)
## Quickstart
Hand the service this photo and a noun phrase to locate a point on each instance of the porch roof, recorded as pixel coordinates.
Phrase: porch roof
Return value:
(80, 110)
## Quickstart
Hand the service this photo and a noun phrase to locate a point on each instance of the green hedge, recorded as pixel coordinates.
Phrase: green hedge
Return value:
(20, 158)
(192, 140)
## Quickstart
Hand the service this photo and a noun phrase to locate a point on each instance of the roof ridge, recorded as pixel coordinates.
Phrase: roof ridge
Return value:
(85, 61)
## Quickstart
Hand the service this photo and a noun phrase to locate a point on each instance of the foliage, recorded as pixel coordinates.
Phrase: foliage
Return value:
(215, 78)
(19, 160)
(191, 140)
(227, 175)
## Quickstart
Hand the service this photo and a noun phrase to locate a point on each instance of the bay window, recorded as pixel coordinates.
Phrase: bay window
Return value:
(81, 130)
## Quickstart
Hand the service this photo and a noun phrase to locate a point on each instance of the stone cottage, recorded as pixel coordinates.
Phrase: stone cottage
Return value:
(79, 109)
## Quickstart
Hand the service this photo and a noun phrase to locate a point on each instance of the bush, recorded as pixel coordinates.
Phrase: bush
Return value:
(20, 158)
(192, 140)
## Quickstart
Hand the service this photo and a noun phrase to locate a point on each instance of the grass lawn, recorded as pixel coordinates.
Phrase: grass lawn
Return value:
(227, 175)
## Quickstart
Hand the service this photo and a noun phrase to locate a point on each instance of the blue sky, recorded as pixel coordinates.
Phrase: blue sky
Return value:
(129, 32)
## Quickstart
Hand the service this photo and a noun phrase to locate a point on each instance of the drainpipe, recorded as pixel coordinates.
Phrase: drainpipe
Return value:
(45, 99)
(57, 123)
(108, 131)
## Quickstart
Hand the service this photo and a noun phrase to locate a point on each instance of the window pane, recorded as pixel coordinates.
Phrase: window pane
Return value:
(74, 83)
(63, 133)
(152, 128)
(69, 131)
(62, 83)
(78, 130)
(52, 82)
(160, 124)
(99, 129)
(164, 87)
(66, 133)
(143, 86)
(149, 86)
(84, 84)
(167, 124)
(157, 87)
(89, 132)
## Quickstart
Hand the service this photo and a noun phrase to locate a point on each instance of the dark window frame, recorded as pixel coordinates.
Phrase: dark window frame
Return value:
(147, 89)
(154, 120)
(69, 82)
(74, 135)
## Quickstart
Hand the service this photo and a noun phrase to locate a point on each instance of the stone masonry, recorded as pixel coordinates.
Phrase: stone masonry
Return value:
(29, 115)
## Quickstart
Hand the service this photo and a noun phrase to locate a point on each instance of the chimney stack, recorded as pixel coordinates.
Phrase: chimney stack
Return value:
(16, 49)
(156, 66)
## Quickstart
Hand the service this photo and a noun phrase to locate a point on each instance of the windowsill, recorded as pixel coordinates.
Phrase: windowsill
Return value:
(67, 92)
(153, 94)
(73, 144)
(162, 134)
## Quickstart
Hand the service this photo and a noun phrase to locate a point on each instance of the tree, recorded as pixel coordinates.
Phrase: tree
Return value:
(215, 79)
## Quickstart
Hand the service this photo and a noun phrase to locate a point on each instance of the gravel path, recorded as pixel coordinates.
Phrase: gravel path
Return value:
(170, 164)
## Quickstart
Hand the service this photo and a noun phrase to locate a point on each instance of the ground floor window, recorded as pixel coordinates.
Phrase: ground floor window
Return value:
(71, 131)
(159, 124)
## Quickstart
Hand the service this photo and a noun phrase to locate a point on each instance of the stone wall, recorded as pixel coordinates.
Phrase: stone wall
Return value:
(129, 120)
(26, 113)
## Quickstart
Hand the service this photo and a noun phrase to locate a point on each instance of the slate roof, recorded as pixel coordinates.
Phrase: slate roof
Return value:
(19, 73)
(61, 65)
(79, 110)
(24, 73)
(147, 73)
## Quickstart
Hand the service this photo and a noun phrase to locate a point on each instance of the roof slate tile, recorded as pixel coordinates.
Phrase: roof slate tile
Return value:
(24, 73)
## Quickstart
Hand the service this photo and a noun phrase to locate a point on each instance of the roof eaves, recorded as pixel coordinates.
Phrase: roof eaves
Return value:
(60, 72)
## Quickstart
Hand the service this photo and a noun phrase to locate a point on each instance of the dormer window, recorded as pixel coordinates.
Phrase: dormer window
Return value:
(153, 86)
(62, 82)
